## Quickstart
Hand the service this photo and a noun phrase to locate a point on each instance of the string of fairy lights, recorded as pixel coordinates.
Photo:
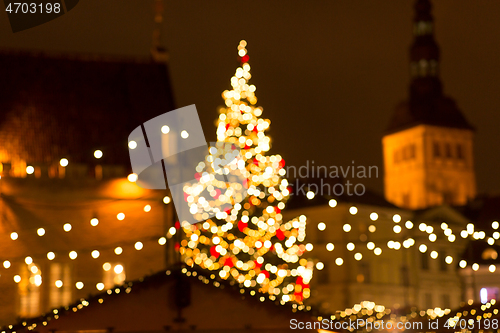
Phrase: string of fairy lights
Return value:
(240, 243)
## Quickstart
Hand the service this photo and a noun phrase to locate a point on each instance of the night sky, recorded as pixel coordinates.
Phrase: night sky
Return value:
(328, 73)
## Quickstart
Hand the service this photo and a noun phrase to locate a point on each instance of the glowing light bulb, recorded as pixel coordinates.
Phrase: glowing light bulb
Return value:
(40, 232)
(73, 255)
(165, 129)
(138, 246)
(14, 235)
(353, 210)
(132, 144)
(64, 162)
(118, 269)
(166, 200)
(120, 216)
(118, 250)
(28, 260)
(332, 203)
(373, 216)
(98, 154)
(95, 254)
(147, 208)
(51, 255)
(30, 170)
(106, 266)
(67, 227)
(184, 134)
(100, 286)
(59, 283)
(79, 285)
(322, 226)
(94, 222)
(132, 177)
(6, 264)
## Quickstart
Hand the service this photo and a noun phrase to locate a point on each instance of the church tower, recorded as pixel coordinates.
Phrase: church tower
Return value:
(428, 146)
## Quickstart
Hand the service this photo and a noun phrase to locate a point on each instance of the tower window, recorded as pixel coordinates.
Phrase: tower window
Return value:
(436, 150)
(448, 150)
(424, 261)
(460, 152)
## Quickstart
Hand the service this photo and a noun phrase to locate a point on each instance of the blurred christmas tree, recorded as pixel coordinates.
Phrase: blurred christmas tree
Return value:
(249, 241)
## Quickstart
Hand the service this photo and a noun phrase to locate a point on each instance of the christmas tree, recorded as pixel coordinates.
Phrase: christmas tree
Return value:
(249, 241)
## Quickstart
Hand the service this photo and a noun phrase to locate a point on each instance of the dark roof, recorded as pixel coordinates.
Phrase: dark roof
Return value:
(426, 104)
(419, 110)
(178, 273)
(54, 106)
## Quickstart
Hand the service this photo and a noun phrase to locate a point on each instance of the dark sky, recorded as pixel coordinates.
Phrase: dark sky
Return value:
(328, 73)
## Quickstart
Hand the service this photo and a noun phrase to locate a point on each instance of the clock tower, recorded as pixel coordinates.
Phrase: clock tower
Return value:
(428, 145)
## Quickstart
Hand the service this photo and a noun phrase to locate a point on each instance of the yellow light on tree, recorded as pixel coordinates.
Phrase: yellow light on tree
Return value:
(248, 242)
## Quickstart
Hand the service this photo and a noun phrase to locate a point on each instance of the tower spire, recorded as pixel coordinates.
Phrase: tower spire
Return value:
(158, 51)
(424, 54)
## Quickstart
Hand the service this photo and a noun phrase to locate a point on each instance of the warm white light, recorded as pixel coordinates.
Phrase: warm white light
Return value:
(358, 256)
(434, 254)
(132, 144)
(59, 283)
(17, 278)
(495, 225)
(94, 222)
(138, 246)
(67, 227)
(475, 267)
(51, 255)
(339, 261)
(79, 285)
(397, 229)
(330, 247)
(100, 286)
(353, 210)
(320, 266)
(28, 260)
(30, 170)
(372, 228)
(14, 235)
(432, 237)
(147, 208)
(120, 216)
(321, 226)
(6, 264)
(309, 247)
(132, 177)
(98, 154)
(118, 250)
(463, 263)
(118, 269)
(350, 246)
(166, 200)
(184, 134)
(422, 248)
(448, 259)
(106, 266)
(347, 227)
(409, 224)
(162, 241)
(165, 129)
(373, 216)
(492, 268)
(377, 251)
(310, 195)
(73, 255)
(332, 203)
(396, 218)
(95, 254)
(40, 232)
(370, 245)
(64, 162)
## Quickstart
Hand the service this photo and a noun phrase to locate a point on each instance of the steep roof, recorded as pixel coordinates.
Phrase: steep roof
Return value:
(426, 105)
(54, 106)
(178, 298)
